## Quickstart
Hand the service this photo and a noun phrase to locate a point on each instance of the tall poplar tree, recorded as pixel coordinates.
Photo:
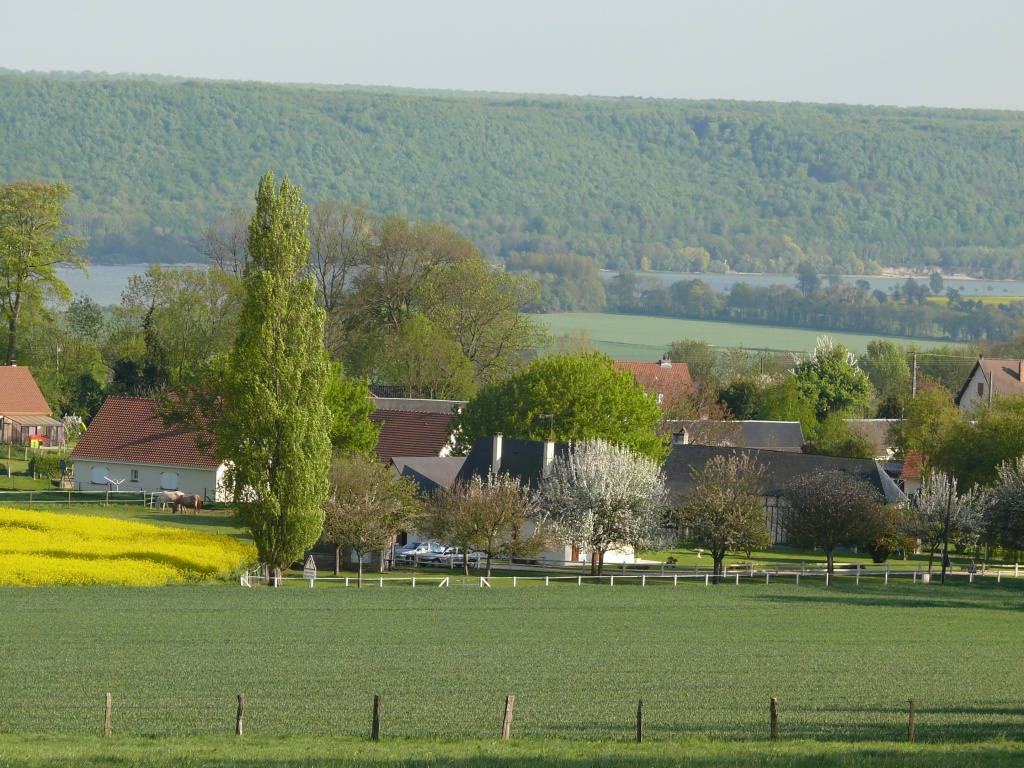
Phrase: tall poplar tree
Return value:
(274, 428)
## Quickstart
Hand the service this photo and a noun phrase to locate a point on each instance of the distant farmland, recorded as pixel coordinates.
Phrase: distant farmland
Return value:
(640, 337)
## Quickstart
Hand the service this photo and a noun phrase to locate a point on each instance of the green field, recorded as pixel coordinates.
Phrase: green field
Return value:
(843, 661)
(640, 337)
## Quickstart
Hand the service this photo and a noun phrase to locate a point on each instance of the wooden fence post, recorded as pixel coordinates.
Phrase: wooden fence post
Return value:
(774, 710)
(106, 716)
(375, 728)
(506, 725)
(640, 722)
(910, 729)
(240, 715)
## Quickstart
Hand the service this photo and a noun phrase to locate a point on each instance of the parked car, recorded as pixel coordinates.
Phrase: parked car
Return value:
(416, 550)
(451, 557)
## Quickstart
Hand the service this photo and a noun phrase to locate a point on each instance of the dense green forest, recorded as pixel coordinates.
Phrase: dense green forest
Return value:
(633, 183)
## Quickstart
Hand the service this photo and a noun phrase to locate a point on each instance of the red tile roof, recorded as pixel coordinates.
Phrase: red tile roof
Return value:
(19, 393)
(129, 429)
(410, 433)
(658, 378)
(912, 465)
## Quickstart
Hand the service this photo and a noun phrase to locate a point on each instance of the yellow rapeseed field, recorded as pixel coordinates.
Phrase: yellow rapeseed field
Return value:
(44, 548)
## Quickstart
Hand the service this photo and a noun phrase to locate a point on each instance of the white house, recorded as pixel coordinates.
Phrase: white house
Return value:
(127, 440)
(988, 377)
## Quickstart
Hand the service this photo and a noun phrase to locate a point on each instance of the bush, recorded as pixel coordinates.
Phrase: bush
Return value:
(46, 467)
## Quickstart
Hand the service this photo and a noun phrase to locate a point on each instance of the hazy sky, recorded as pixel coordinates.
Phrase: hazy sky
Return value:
(940, 53)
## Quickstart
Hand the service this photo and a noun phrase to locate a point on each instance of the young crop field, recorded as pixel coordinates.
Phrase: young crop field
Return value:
(843, 661)
(639, 337)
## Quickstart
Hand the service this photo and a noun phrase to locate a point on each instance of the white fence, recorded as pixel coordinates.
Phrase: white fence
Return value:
(769, 575)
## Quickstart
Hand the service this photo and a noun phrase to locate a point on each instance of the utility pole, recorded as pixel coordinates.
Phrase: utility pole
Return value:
(945, 528)
(913, 390)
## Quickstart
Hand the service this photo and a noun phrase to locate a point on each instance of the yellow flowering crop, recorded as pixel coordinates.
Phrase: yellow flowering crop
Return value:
(44, 548)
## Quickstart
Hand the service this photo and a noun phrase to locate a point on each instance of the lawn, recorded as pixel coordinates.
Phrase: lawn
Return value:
(843, 661)
(640, 337)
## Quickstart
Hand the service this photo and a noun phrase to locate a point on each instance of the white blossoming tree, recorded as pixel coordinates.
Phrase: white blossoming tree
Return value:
(602, 497)
(928, 514)
(1003, 506)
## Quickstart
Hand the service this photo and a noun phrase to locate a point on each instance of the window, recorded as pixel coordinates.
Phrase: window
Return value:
(99, 476)
(981, 388)
(135, 475)
(169, 481)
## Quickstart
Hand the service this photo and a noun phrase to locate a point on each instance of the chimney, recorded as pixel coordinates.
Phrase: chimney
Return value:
(549, 457)
(1020, 370)
(496, 454)
(666, 361)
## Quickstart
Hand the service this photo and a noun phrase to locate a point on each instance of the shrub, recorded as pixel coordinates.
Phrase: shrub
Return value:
(45, 466)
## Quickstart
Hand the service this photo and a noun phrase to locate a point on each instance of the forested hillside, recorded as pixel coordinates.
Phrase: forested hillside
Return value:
(634, 183)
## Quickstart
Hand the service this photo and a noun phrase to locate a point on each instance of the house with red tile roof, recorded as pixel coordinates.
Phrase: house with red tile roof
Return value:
(24, 413)
(664, 379)
(989, 377)
(127, 440)
(912, 476)
(413, 428)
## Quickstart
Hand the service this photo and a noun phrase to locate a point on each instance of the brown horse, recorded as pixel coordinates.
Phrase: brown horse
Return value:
(193, 502)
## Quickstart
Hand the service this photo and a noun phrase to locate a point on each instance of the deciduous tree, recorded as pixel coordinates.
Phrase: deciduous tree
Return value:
(32, 246)
(274, 429)
(602, 497)
(568, 397)
(368, 503)
(829, 509)
(489, 515)
(726, 511)
(830, 378)
(938, 502)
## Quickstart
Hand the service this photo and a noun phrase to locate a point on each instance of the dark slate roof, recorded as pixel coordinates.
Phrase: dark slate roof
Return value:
(429, 472)
(414, 404)
(522, 459)
(875, 430)
(772, 435)
(410, 433)
(780, 468)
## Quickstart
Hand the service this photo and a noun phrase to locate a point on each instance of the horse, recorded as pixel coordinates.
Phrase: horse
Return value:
(193, 502)
(167, 498)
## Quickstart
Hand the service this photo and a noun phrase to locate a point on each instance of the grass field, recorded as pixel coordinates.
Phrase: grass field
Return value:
(639, 337)
(321, 752)
(842, 661)
(993, 300)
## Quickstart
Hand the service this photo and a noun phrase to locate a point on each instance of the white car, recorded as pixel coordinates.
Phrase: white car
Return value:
(414, 549)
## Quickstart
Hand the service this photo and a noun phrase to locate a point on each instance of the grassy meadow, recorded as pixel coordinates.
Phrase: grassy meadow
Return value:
(640, 337)
(843, 661)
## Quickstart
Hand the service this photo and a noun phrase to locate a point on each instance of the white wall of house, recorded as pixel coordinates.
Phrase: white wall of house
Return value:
(140, 477)
(977, 392)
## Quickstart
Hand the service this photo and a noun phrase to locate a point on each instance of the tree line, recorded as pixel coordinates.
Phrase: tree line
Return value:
(911, 310)
(630, 183)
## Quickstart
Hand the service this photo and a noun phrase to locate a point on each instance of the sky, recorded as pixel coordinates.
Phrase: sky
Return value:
(933, 53)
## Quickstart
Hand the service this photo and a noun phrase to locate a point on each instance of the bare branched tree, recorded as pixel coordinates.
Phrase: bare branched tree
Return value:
(726, 511)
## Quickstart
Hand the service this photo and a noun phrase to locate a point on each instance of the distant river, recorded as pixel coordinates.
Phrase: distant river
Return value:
(887, 284)
(105, 282)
